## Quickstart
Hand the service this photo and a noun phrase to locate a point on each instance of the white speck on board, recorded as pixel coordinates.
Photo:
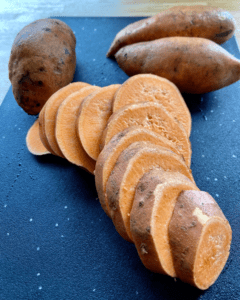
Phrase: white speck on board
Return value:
(203, 155)
(8, 233)
(217, 195)
(234, 156)
(56, 225)
(5, 205)
(94, 290)
(65, 207)
(94, 59)
(38, 274)
(38, 248)
(30, 220)
(215, 179)
(40, 287)
(234, 120)
(95, 29)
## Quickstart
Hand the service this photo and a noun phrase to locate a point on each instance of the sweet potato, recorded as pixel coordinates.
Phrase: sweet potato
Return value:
(153, 116)
(148, 87)
(110, 153)
(50, 112)
(66, 132)
(155, 198)
(133, 162)
(42, 133)
(94, 113)
(33, 141)
(194, 65)
(200, 238)
(207, 22)
(42, 61)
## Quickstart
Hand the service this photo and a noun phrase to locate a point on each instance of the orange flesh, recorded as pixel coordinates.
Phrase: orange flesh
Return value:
(145, 160)
(149, 87)
(50, 112)
(136, 134)
(166, 197)
(212, 253)
(66, 132)
(94, 114)
(34, 143)
(154, 117)
(42, 133)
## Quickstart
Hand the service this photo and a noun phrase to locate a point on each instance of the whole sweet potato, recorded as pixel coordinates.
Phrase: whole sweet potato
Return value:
(42, 61)
(194, 65)
(208, 22)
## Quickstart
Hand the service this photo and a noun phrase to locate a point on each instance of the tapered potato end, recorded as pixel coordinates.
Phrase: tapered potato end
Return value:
(200, 238)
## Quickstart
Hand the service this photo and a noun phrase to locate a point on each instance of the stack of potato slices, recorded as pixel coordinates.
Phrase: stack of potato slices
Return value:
(134, 138)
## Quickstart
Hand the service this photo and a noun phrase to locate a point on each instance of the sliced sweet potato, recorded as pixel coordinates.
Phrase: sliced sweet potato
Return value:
(133, 162)
(33, 141)
(153, 116)
(110, 153)
(50, 112)
(42, 133)
(149, 87)
(93, 116)
(155, 197)
(200, 238)
(66, 132)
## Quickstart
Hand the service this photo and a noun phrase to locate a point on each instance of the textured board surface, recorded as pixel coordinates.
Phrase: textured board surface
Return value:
(55, 240)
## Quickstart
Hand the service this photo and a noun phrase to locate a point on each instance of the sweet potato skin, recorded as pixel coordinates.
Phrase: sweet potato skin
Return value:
(208, 22)
(185, 229)
(42, 61)
(194, 65)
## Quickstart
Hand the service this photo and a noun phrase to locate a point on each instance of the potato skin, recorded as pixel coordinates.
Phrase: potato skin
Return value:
(194, 65)
(42, 61)
(203, 21)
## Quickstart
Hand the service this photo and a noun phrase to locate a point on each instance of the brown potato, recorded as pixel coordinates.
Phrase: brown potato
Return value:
(42, 61)
(194, 65)
(208, 22)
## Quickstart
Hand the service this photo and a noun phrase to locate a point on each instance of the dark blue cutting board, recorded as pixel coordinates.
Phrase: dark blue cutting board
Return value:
(55, 240)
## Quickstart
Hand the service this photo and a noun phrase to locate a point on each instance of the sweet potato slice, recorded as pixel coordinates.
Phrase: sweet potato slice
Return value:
(42, 133)
(110, 153)
(50, 112)
(33, 141)
(93, 116)
(149, 87)
(66, 131)
(155, 198)
(153, 116)
(200, 238)
(133, 162)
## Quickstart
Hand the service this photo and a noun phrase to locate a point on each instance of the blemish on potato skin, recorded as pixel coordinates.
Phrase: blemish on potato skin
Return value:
(143, 248)
(224, 34)
(66, 51)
